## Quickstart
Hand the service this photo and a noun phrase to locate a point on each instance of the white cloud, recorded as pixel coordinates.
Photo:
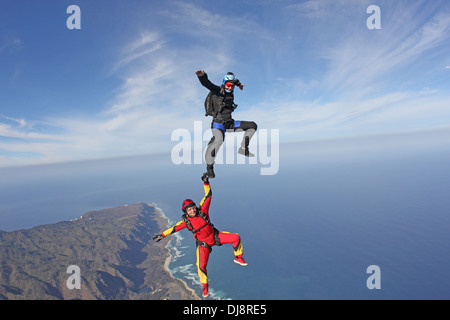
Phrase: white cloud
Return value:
(21, 122)
(147, 43)
(10, 43)
(393, 112)
(160, 92)
(24, 131)
(222, 28)
(364, 62)
(326, 9)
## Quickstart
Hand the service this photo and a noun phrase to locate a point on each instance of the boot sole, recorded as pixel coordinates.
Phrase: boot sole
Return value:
(240, 263)
(210, 176)
(246, 155)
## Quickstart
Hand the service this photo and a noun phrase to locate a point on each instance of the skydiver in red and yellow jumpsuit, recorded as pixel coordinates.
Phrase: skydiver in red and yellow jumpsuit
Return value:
(197, 221)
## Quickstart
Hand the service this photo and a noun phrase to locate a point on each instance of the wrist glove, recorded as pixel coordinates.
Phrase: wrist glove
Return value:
(158, 237)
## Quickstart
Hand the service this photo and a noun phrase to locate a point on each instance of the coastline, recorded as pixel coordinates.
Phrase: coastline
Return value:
(160, 212)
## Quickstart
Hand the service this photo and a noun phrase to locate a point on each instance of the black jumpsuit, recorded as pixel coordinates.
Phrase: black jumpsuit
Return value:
(223, 122)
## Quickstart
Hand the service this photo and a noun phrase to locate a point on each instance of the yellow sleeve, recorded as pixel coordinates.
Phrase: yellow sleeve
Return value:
(180, 225)
(208, 193)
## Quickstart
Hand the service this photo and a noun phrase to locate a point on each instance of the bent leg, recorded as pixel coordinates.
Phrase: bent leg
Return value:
(234, 239)
(249, 127)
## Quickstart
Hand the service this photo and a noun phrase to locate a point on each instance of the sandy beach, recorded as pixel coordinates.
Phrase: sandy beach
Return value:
(165, 225)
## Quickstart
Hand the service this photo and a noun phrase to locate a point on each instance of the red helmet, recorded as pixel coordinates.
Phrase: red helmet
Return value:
(187, 203)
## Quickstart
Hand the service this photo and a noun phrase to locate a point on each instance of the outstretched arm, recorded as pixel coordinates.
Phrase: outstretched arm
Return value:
(177, 227)
(203, 78)
(180, 225)
(206, 201)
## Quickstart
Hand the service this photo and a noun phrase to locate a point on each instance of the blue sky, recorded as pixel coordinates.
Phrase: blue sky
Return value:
(121, 84)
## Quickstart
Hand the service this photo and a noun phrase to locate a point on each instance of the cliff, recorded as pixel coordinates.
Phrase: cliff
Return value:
(112, 248)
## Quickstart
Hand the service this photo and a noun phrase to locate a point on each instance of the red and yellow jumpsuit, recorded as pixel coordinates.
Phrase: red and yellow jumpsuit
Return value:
(207, 236)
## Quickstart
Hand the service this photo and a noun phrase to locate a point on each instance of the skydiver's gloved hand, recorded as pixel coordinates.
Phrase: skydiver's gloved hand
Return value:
(158, 237)
(205, 178)
(200, 73)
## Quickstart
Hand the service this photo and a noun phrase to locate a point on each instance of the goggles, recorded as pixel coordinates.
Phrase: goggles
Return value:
(229, 85)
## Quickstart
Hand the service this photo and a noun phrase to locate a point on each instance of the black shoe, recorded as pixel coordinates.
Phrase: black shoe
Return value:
(245, 152)
(210, 171)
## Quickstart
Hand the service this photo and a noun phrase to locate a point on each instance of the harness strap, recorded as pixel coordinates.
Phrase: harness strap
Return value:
(224, 124)
(221, 99)
(216, 237)
(195, 231)
(218, 125)
(203, 244)
(189, 225)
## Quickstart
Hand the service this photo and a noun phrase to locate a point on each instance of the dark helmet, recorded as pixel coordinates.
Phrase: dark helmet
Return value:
(187, 203)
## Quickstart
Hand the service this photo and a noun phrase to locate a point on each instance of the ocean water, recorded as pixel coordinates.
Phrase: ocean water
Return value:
(309, 232)
(312, 230)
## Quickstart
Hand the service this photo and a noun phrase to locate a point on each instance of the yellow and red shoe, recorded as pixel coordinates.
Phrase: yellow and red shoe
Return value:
(240, 260)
